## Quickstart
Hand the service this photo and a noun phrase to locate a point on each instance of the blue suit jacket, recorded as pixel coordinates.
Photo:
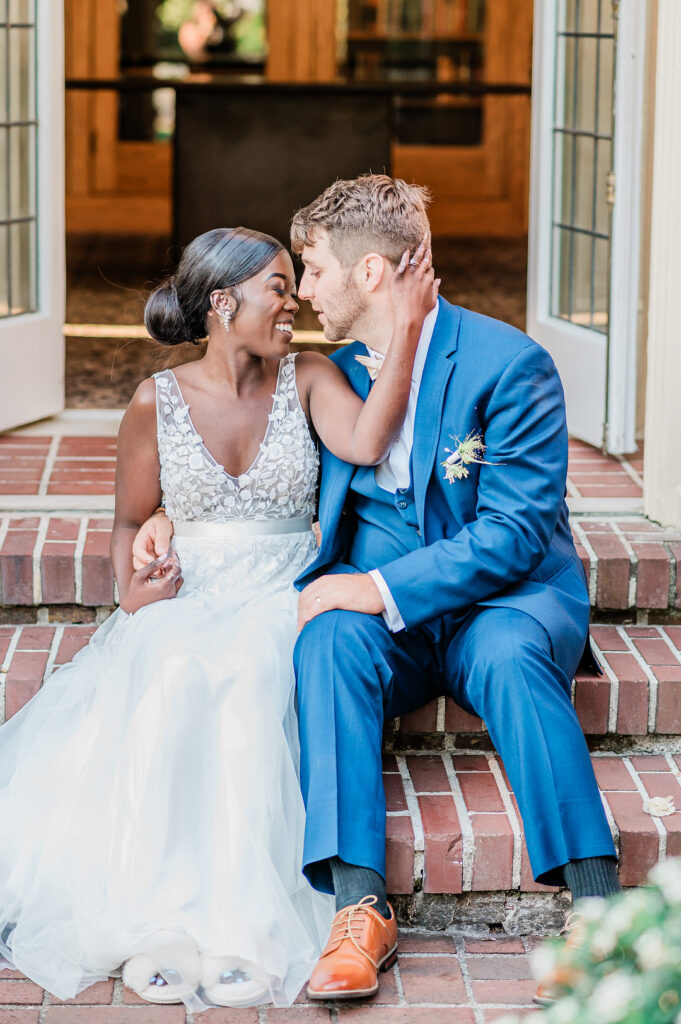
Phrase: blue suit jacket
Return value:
(501, 535)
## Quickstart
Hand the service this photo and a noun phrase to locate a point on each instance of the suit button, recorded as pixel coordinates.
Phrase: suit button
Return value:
(418, 533)
(401, 504)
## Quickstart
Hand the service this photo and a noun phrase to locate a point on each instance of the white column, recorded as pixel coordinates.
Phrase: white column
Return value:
(662, 467)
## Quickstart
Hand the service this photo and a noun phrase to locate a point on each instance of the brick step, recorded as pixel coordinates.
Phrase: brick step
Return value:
(61, 559)
(453, 823)
(638, 695)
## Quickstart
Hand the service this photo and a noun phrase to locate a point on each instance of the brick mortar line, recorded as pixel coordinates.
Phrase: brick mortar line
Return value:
(4, 529)
(441, 711)
(513, 819)
(78, 558)
(652, 679)
(402, 999)
(42, 1016)
(630, 471)
(50, 459)
(633, 563)
(613, 706)
(54, 650)
(593, 561)
(415, 815)
(612, 824)
(467, 835)
(673, 575)
(478, 1014)
(4, 669)
(670, 643)
(661, 830)
(675, 770)
(37, 557)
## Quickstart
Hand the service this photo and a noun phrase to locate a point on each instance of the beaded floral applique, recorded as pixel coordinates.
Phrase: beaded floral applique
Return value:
(280, 483)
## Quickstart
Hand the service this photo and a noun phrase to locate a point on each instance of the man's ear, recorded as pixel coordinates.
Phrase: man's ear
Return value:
(372, 269)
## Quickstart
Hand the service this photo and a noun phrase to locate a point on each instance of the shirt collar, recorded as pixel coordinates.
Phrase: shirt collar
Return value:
(422, 347)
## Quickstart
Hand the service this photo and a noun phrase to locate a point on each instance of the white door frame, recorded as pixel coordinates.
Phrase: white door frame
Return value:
(599, 376)
(32, 344)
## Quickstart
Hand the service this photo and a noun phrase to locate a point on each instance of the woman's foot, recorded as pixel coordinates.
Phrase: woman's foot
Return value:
(228, 981)
(157, 984)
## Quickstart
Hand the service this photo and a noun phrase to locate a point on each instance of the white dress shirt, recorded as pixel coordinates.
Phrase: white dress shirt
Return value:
(393, 472)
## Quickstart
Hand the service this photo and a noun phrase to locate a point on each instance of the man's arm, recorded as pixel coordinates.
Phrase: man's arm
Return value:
(519, 500)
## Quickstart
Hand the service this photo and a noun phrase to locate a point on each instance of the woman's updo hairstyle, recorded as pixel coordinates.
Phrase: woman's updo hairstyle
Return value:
(222, 258)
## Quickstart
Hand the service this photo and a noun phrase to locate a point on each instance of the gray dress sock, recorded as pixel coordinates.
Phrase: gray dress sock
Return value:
(592, 876)
(352, 883)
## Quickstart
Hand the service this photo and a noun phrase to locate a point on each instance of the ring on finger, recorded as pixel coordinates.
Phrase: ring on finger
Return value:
(414, 263)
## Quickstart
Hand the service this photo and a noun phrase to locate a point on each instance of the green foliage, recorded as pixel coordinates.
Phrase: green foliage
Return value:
(627, 969)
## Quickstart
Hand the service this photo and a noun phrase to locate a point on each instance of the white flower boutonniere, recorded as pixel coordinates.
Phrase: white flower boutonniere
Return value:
(372, 363)
(468, 451)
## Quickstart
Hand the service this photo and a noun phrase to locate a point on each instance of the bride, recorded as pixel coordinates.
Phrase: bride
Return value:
(150, 813)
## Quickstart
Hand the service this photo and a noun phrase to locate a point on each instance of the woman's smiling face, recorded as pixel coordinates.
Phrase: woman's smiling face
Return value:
(265, 317)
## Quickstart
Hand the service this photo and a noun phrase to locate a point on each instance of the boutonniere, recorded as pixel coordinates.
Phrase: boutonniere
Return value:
(468, 451)
(372, 363)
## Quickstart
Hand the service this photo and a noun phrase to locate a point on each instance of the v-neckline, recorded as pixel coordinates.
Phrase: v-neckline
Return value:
(211, 457)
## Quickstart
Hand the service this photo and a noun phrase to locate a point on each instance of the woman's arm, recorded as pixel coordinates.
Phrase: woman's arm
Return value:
(138, 492)
(362, 432)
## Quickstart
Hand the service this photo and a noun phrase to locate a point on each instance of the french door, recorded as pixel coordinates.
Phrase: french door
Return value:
(585, 196)
(31, 210)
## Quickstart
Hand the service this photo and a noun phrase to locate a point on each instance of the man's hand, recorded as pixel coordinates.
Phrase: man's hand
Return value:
(353, 592)
(152, 540)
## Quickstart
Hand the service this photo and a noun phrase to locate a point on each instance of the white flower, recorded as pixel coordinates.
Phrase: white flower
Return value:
(542, 960)
(591, 908)
(566, 1011)
(659, 806)
(667, 875)
(651, 949)
(610, 999)
(603, 941)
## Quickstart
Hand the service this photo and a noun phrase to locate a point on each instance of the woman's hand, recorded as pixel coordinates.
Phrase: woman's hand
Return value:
(159, 580)
(152, 539)
(413, 287)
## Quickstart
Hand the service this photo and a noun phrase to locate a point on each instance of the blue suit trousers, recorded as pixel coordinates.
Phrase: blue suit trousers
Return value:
(353, 674)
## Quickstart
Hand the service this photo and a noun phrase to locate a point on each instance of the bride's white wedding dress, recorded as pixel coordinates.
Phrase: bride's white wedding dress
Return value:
(149, 797)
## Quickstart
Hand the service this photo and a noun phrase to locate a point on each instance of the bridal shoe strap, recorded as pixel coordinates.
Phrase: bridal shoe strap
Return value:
(242, 528)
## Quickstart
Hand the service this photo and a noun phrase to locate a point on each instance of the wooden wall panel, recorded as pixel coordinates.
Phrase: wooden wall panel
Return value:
(301, 38)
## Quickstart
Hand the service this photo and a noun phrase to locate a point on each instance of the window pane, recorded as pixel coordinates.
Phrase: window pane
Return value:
(22, 11)
(607, 23)
(601, 284)
(4, 172)
(606, 48)
(581, 279)
(4, 58)
(4, 272)
(21, 172)
(603, 167)
(22, 274)
(21, 75)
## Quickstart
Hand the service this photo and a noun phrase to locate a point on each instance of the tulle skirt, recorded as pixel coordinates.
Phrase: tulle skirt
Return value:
(149, 794)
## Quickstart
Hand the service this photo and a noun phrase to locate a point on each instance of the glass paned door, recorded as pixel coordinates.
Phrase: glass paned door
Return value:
(584, 243)
(31, 210)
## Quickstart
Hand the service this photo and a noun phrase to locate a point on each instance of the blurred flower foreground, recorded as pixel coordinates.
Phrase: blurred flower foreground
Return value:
(628, 968)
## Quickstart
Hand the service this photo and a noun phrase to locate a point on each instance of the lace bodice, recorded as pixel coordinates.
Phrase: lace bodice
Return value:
(280, 483)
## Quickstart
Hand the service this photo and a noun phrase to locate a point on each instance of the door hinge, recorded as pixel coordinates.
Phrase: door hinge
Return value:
(610, 182)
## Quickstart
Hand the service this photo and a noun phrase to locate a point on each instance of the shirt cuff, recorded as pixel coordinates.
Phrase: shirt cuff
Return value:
(391, 615)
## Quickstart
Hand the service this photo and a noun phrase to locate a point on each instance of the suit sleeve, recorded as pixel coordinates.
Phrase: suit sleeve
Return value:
(519, 498)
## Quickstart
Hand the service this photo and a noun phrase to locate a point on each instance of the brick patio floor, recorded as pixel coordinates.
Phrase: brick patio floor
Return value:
(439, 979)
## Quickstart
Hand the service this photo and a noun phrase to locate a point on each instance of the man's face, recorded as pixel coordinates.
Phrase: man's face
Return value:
(331, 289)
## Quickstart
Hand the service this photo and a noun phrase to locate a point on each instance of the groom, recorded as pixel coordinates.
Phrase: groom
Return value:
(447, 569)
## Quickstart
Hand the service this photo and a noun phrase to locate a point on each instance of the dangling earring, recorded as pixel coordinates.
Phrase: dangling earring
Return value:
(225, 317)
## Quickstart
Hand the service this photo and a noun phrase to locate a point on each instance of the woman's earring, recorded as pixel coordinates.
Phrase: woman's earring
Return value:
(225, 317)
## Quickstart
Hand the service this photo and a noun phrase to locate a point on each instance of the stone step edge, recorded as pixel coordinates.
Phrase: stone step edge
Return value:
(637, 699)
(639, 693)
(53, 558)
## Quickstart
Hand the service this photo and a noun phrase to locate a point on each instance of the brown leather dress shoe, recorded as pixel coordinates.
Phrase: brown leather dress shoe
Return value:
(361, 944)
(562, 978)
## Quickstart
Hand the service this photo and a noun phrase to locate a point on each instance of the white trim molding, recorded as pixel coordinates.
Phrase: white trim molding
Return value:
(662, 467)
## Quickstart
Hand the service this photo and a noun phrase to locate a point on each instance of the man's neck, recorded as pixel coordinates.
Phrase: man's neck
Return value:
(376, 331)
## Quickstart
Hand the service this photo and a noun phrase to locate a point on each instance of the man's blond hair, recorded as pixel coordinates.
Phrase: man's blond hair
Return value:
(374, 213)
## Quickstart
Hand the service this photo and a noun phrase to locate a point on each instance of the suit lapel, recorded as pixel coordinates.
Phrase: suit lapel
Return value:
(437, 370)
